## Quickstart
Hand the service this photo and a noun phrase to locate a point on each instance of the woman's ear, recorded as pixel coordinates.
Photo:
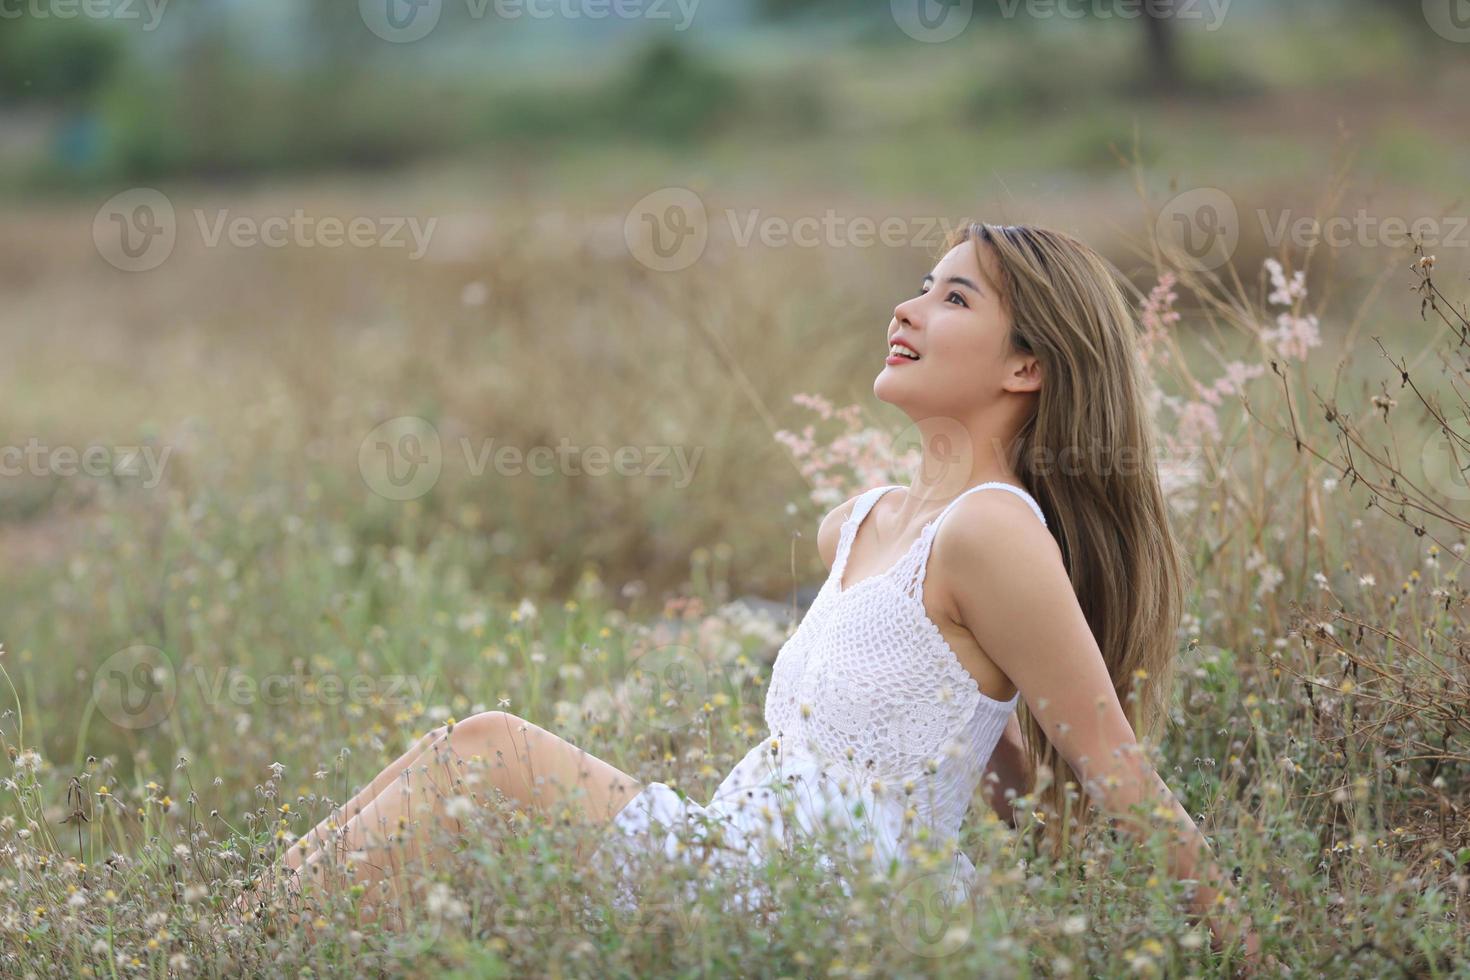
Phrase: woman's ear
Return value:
(1026, 375)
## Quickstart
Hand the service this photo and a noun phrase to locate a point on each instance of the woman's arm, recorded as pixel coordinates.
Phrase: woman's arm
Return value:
(1019, 604)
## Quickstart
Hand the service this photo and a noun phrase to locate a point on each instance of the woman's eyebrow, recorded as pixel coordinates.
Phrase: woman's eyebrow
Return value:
(958, 279)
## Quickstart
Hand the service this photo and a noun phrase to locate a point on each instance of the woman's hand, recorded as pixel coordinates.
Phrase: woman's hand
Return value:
(1009, 769)
(1223, 934)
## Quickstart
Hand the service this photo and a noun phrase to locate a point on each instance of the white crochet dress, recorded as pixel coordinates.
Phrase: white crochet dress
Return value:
(874, 725)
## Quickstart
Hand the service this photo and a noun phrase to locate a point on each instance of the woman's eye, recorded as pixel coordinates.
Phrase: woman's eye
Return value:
(951, 298)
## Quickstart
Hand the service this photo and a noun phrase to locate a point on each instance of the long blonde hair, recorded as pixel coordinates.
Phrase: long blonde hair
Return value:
(1111, 521)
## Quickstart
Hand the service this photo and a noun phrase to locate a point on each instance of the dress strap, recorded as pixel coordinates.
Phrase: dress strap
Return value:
(997, 485)
(860, 511)
(911, 577)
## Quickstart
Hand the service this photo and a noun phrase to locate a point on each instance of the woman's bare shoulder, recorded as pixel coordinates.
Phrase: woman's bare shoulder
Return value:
(830, 529)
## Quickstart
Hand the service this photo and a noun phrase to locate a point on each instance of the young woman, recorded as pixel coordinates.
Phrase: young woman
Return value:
(944, 606)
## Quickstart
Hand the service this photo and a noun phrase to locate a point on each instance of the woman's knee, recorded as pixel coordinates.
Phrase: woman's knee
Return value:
(479, 734)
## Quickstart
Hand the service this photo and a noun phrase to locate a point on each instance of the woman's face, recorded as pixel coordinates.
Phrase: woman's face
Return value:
(961, 334)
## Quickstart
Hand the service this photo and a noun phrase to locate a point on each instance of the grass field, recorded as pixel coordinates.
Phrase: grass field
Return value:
(239, 616)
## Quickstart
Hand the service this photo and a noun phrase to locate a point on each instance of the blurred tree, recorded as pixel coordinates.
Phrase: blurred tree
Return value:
(1408, 15)
(60, 62)
(1161, 51)
(1158, 21)
(776, 9)
(671, 94)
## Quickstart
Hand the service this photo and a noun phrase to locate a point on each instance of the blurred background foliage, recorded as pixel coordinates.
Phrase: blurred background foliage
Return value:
(219, 89)
(527, 139)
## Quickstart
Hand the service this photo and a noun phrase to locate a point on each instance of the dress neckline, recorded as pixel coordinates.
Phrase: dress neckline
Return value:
(850, 527)
(893, 566)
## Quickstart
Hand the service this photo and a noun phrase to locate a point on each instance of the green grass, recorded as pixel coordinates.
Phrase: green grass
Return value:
(266, 557)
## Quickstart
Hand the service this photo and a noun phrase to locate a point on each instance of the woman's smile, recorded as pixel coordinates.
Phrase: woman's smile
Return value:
(900, 351)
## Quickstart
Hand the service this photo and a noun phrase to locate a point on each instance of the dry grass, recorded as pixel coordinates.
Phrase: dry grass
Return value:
(1320, 730)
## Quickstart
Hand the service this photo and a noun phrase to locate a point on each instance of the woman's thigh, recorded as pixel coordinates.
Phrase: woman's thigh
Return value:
(540, 769)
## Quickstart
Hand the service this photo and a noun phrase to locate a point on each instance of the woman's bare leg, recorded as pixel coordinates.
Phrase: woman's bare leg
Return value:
(313, 839)
(486, 754)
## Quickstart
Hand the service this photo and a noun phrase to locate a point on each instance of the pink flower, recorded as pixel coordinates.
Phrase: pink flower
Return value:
(1293, 336)
(1285, 293)
(1197, 421)
(1157, 317)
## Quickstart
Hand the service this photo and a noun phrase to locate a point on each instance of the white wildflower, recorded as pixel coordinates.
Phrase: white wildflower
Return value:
(1271, 576)
(441, 901)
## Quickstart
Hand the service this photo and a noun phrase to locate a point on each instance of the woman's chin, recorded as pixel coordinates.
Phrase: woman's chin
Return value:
(888, 387)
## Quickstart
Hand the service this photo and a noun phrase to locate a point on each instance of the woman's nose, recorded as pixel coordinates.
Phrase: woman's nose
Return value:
(905, 312)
